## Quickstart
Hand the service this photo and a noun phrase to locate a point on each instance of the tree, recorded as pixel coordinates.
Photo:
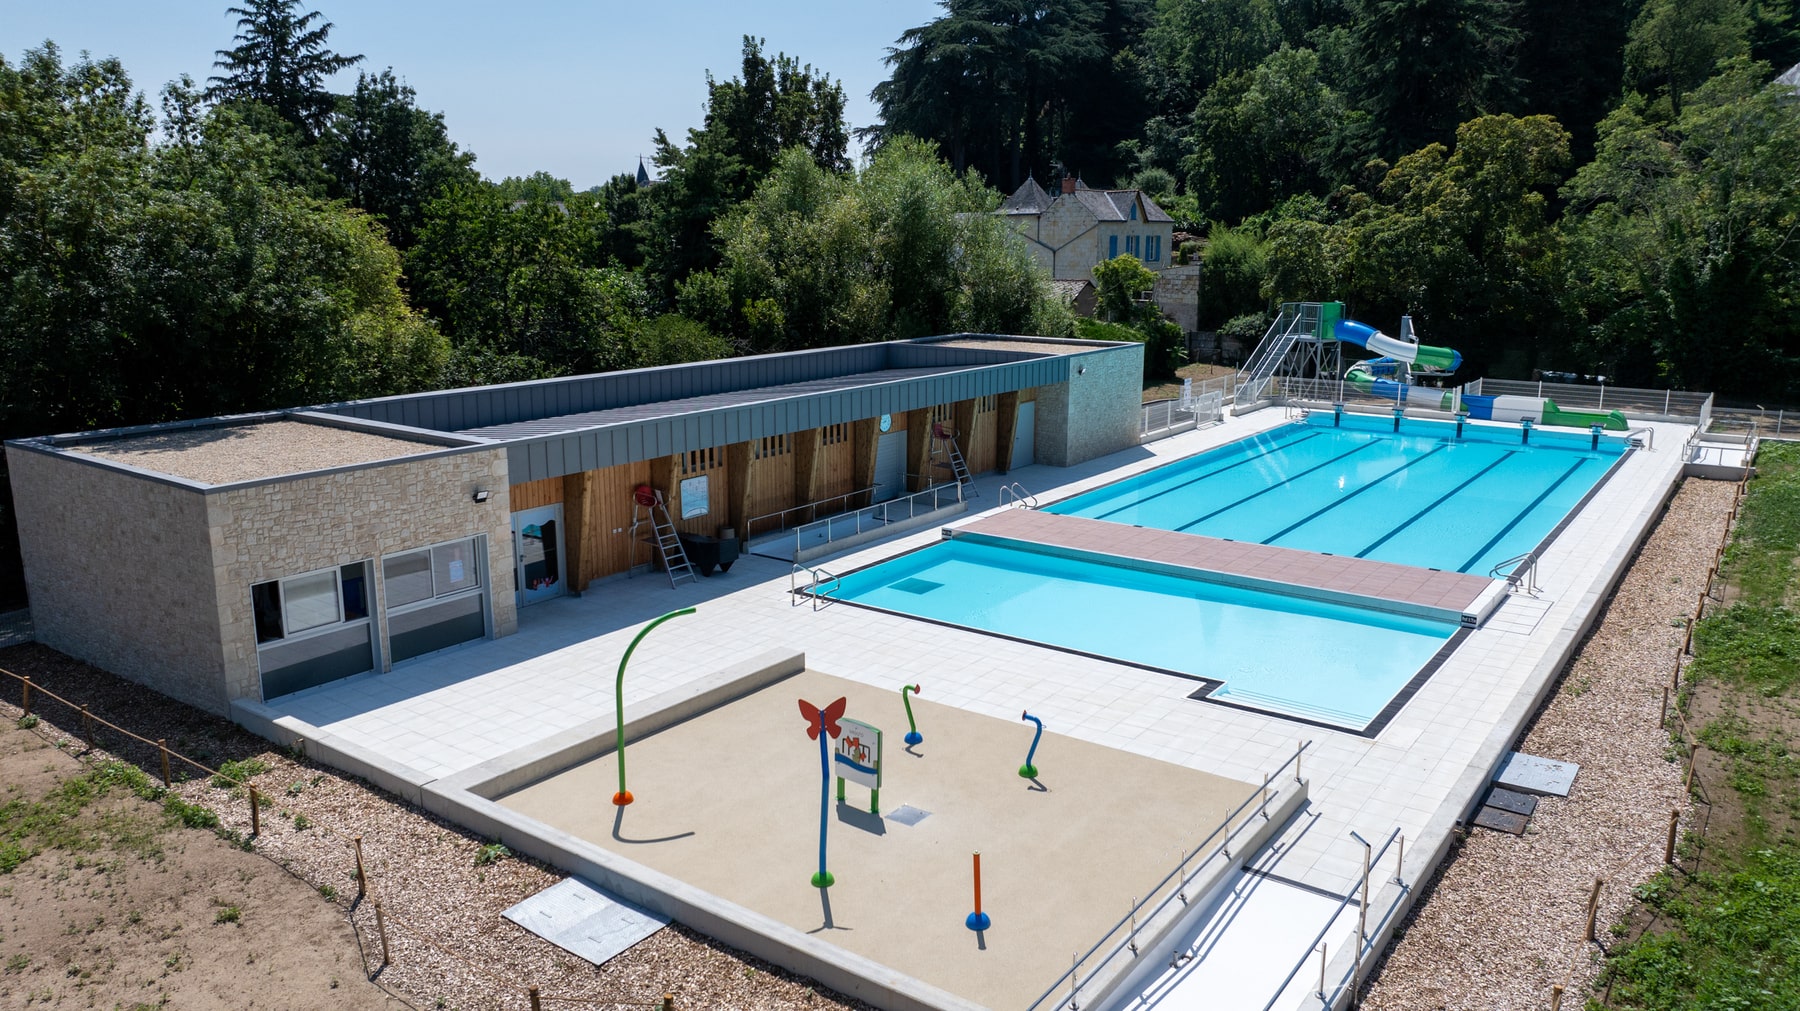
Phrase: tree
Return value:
(1678, 44)
(1684, 262)
(776, 104)
(1571, 59)
(1423, 66)
(280, 60)
(1119, 282)
(390, 157)
(1201, 42)
(903, 249)
(1236, 259)
(996, 84)
(1260, 136)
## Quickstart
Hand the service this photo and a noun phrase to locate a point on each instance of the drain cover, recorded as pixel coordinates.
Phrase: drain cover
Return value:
(917, 585)
(906, 814)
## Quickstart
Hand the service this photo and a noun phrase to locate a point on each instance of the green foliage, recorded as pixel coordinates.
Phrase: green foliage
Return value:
(1759, 560)
(228, 914)
(492, 853)
(1675, 44)
(1682, 241)
(1249, 327)
(1231, 276)
(389, 157)
(237, 772)
(190, 815)
(28, 721)
(1118, 283)
(280, 61)
(1264, 134)
(1420, 67)
(901, 249)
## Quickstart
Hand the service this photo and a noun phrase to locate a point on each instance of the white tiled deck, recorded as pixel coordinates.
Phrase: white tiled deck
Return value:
(444, 713)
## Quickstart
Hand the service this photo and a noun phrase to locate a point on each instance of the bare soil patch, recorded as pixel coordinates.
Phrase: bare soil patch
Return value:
(1197, 372)
(450, 946)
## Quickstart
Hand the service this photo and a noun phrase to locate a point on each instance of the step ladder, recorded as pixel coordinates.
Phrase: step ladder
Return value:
(946, 456)
(663, 536)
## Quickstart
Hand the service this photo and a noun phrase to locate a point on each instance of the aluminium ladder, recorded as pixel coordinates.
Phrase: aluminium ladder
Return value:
(664, 537)
(943, 443)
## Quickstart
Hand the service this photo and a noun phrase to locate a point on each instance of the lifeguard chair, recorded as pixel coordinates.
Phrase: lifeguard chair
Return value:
(649, 511)
(945, 456)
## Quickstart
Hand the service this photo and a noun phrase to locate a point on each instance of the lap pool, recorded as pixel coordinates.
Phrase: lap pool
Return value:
(1428, 495)
(1315, 659)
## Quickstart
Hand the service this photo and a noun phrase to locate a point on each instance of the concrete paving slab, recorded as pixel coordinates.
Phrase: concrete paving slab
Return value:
(1531, 774)
(583, 920)
(1512, 800)
(1501, 821)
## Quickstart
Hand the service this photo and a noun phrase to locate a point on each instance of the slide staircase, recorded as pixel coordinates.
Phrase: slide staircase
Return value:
(1298, 321)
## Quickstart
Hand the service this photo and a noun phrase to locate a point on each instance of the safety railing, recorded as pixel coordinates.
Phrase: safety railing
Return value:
(1093, 962)
(821, 585)
(840, 526)
(1364, 940)
(812, 508)
(1600, 397)
(1014, 493)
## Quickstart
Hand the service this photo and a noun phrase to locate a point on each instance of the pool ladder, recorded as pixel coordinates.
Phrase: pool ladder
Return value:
(1520, 573)
(1014, 493)
(821, 584)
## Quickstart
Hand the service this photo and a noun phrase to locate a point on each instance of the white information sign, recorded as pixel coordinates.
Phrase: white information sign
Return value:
(859, 754)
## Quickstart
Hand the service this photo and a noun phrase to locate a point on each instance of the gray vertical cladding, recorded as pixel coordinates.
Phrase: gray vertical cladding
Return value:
(988, 371)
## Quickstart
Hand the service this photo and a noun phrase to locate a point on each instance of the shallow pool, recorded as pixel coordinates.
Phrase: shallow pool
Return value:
(1317, 659)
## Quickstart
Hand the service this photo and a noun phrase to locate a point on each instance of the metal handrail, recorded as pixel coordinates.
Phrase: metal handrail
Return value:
(750, 524)
(820, 586)
(1519, 571)
(1651, 432)
(1320, 936)
(1180, 892)
(1020, 497)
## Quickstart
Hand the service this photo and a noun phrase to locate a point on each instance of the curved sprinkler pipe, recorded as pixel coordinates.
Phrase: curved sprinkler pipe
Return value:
(1028, 770)
(824, 878)
(912, 729)
(623, 797)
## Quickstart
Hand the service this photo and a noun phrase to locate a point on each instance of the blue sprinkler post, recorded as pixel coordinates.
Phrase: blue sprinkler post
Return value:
(912, 729)
(823, 879)
(1524, 431)
(1028, 770)
(1594, 444)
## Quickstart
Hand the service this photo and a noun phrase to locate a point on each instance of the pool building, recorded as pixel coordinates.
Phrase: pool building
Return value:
(432, 591)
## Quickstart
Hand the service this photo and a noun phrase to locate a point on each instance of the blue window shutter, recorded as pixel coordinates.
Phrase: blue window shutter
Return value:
(1112, 246)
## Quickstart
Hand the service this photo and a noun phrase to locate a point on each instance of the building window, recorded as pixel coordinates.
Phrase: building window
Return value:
(431, 573)
(1132, 245)
(1112, 246)
(1152, 248)
(1134, 210)
(283, 608)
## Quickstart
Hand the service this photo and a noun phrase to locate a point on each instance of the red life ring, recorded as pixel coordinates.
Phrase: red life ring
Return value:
(645, 495)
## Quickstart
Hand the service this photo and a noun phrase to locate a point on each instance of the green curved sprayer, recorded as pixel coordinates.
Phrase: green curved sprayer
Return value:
(623, 797)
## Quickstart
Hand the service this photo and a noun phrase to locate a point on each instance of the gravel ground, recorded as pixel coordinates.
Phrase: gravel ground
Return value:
(448, 943)
(220, 455)
(1501, 922)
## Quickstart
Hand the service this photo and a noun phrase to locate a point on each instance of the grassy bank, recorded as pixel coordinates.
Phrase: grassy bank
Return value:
(1724, 928)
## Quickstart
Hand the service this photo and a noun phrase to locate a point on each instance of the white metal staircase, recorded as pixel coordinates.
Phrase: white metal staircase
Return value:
(1294, 323)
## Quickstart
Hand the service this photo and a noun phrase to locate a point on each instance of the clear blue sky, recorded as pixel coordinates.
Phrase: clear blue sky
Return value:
(573, 88)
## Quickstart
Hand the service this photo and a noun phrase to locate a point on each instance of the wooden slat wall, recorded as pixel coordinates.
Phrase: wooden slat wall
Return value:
(603, 552)
(837, 467)
(533, 494)
(981, 456)
(771, 482)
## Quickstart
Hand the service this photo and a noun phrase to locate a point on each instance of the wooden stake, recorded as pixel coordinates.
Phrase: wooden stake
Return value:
(26, 705)
(1693, 753)
(1669, 847)
(162, 745)
(381, 928)
(1593, 908)
(1663, 720)
(1556, 997)
(255, 816)
(668, 1002)
(87, 727)
(361, 887)
(532, 992)
(1687, 642)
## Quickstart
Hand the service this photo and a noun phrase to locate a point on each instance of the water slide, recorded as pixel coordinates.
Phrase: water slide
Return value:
(1390, 376)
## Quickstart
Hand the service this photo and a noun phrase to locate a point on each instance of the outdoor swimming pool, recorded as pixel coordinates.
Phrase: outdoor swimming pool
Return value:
(1316, 659)
(1424, 496)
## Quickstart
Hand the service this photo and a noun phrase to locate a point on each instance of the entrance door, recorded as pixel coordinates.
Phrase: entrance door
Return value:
(1024, 445)
(890, 466)
(538, 550)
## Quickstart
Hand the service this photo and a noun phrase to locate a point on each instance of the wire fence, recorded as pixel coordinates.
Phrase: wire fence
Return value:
(169, 760)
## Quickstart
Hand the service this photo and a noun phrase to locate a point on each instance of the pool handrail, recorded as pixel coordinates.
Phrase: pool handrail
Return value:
(1519, 571)
(1368, 938)
(821, 584)
(1016, 492)
(1131, 919)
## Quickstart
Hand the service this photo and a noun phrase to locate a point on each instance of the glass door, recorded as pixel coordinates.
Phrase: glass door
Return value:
(538, 549)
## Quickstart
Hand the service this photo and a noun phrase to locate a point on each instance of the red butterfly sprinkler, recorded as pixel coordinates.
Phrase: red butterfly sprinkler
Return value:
(821, 725)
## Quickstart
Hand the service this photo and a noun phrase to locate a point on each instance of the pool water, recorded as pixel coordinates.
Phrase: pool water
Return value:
(1319, 660)
(1425, 496)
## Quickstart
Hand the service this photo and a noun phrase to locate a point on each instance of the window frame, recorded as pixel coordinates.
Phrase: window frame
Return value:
(337, 574)
(478, 559)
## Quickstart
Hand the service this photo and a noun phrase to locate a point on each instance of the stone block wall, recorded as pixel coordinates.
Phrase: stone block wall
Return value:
(1177, 294)
(283, 528)
(120, 573)
(1096, 412)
